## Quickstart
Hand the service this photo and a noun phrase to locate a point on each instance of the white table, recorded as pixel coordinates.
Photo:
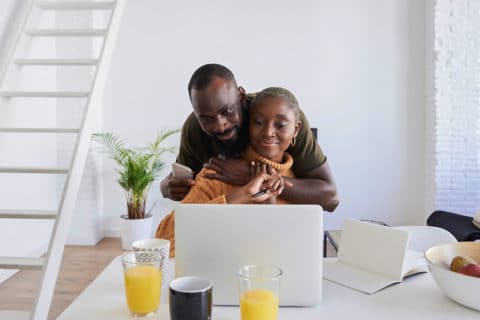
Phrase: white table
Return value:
(415, 298)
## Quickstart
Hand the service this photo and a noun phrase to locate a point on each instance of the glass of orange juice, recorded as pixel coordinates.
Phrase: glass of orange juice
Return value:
(259, 290)
(143, 282)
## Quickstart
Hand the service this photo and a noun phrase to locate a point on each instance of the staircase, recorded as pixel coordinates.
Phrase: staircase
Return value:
(49, 263)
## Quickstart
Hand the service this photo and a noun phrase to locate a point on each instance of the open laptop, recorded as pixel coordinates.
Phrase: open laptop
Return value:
(214, 241)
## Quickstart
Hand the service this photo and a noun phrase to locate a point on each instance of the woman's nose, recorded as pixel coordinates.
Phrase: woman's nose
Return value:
(269, 131)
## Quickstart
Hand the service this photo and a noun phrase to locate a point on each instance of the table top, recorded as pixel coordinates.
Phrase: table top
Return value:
(416, 297)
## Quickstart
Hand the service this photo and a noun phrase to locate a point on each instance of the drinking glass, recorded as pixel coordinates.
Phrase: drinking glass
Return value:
(259, 287)
(143, 282)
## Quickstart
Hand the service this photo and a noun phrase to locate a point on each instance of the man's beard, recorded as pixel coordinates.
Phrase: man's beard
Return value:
(232, 148)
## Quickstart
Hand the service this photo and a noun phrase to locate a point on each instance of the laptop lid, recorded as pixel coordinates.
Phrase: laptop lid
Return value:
(214, 241)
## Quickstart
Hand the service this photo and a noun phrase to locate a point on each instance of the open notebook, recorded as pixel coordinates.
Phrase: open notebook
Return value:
(372, 257)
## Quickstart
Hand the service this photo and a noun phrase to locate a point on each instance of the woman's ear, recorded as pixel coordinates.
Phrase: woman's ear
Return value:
(298, 125)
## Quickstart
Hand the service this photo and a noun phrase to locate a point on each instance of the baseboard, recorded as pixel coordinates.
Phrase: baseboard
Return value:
(111, 233)
(83, 241)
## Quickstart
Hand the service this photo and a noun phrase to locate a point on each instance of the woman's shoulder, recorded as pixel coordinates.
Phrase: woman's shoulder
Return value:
(203, 172)
(202, 180)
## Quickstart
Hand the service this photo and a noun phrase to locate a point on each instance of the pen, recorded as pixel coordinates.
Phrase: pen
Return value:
(259, 193)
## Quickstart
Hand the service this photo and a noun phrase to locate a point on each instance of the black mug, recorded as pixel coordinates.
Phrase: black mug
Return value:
(191, 298)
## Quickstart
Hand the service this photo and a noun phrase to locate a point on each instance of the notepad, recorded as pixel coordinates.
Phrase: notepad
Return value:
(372, 257)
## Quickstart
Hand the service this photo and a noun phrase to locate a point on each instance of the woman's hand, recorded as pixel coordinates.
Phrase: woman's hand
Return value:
(272, 185)
(266, 180)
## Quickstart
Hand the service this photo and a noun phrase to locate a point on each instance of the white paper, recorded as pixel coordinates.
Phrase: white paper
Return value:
(352, 277)
(414, 263)
(370, 257)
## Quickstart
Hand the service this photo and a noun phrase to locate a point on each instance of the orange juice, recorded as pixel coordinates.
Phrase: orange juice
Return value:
(143, 286)
(258, 304)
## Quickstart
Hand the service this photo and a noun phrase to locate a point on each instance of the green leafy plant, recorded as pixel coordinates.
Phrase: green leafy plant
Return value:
(137, 168)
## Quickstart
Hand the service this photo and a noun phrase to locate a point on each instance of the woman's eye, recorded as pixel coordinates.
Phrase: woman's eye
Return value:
(257, 122)
(281, 125)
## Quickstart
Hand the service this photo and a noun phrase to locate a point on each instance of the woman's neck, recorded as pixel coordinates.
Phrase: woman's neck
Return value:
(284, 165)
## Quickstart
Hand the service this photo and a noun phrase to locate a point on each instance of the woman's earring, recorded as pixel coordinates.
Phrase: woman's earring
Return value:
(292, 143)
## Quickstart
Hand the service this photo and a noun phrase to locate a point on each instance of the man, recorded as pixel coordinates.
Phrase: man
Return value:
(216, 133)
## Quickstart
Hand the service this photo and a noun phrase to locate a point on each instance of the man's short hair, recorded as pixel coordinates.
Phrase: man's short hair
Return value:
(281, 93)
(203, 76)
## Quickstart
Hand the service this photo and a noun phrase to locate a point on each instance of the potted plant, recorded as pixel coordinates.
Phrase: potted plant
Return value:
(137, 169)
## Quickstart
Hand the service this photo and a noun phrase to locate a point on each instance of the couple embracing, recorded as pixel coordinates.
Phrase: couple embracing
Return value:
(246, 148)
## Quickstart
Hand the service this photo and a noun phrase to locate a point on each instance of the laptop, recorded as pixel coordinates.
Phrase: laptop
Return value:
(214, 241)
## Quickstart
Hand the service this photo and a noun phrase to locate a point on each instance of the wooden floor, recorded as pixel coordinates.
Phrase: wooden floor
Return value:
(80, 266)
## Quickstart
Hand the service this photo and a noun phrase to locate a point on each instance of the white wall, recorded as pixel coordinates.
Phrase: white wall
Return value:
(455, 95)
(356, 67)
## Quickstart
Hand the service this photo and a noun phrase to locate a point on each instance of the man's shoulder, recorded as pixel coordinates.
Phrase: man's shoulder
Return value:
(191, 120)
(192, 133)
(191, 125)
(250, 97)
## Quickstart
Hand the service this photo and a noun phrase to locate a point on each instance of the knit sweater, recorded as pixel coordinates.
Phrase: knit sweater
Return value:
(214, 191)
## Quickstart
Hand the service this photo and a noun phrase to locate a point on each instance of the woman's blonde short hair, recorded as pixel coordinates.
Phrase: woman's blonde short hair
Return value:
(281, 93)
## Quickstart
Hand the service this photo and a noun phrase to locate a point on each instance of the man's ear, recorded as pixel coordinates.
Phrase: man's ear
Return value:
(242, 93)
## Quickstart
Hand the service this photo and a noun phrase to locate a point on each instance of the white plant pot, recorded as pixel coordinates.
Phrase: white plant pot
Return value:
(132, 230)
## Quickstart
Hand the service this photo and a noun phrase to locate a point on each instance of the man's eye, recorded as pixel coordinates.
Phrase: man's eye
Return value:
(257, 122)
(208, 119)
(228, 111)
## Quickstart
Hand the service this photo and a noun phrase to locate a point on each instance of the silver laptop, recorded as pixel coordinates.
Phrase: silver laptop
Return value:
(214, 241)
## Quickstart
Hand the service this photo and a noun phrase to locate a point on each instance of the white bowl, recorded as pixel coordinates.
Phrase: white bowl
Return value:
(459, 287)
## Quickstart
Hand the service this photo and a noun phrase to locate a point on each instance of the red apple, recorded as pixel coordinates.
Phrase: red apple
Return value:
(459, 262)
(471, 269)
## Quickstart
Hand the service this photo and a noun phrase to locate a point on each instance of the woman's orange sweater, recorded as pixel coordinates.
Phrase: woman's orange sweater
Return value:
(214, 191)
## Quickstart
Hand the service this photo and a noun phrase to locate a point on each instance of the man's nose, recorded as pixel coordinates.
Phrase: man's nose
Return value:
(220, 124)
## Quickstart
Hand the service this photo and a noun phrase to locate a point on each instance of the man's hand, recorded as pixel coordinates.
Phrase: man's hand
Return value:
(316, 187)
(232, 171)
(175, 188)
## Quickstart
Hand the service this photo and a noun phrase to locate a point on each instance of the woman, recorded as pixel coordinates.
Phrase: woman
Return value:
(274, 124)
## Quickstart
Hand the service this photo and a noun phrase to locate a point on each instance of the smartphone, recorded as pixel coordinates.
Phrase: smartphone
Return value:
(181, 171)
(260, 193)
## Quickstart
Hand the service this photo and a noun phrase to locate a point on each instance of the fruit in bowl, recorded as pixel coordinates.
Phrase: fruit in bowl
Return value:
(457, 285)
(465, 265)
(460, 261)
(471, 269)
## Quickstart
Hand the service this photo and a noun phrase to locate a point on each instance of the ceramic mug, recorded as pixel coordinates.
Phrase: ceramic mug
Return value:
(158, 246)
(190, 298)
